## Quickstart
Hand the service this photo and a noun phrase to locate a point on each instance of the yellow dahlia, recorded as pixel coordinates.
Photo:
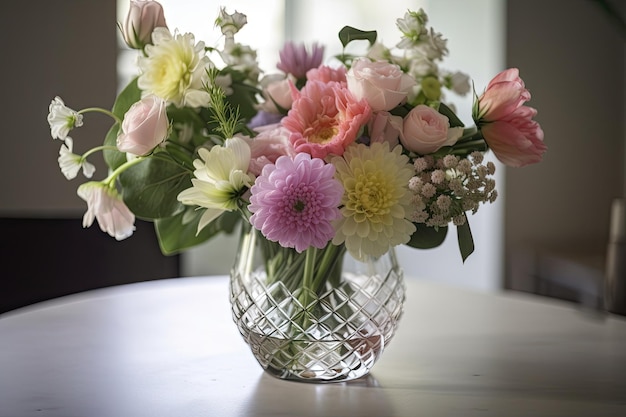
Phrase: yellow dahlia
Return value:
(174, 69)
(376, 200)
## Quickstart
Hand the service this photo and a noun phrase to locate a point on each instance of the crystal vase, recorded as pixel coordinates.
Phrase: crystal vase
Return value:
(315, 316)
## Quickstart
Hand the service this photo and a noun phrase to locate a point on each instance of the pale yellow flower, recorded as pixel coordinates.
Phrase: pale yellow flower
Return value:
(221, 176)
(376, 201)
(174, 69)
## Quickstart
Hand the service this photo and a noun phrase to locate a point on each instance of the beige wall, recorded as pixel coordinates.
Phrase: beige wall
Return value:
(572, 58)
(66, 48)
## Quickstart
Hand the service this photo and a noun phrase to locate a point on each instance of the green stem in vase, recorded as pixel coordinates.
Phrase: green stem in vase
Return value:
(307, 277)
(329, 269)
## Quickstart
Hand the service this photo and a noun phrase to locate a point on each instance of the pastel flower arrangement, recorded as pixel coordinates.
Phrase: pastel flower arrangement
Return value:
(358, 152)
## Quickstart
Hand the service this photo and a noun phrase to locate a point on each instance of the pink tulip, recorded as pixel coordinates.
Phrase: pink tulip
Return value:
(517, 141)
(506, 124)
(143, 16)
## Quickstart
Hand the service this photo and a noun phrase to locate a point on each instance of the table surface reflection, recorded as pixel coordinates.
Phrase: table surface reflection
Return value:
(170, 348)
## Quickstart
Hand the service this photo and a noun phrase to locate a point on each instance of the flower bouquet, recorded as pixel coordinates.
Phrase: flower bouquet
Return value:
(323, 166)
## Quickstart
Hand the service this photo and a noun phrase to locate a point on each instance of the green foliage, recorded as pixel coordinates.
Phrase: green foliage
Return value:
(465, 239)
(179, 232)
(426, 237)
(402, 110)
(150, 187)
(123, 102)
(113, 157)
(348, 34)
(129, 96)
(452, 117)
(197, 121)
(244, 95)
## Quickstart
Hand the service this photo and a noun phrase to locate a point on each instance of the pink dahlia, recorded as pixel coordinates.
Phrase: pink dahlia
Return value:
(295, 200)
(325, 118)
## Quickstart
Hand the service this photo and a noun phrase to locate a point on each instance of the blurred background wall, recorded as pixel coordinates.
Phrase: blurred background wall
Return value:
(571, 56)
(557, 213)
(67, 48)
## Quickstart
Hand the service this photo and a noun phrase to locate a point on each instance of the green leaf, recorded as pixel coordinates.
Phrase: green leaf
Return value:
(348, 34)
(426, 237)
(466, 241)
(452, 117)
(179, 232)
(402, 110)
(129, 95)
(243, 98)
(197, 120)
(150, 188)
(113, 158)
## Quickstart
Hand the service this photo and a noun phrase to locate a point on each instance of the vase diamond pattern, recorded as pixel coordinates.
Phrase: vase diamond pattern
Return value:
(336, 333)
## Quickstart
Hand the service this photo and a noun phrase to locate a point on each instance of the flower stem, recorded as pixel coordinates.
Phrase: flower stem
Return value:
(113, 176)
(96, 149)
(328, 266)
(307, 275)
(101, 110)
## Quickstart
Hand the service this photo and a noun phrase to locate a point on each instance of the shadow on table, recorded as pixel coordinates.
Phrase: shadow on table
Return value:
(363, 397)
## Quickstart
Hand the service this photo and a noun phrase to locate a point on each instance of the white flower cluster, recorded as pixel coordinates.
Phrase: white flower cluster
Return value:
(234, 54)
(445, 188)
(421, 48)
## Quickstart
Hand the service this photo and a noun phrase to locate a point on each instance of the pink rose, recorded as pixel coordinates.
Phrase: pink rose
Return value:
(425, 130)
(145, 126)
(271, 143)
(384, 127)
(143, 16)
(506, 124)
(382, 84)
(276, 91)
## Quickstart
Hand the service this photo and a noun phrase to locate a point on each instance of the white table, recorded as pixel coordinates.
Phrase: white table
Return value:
(170, 348)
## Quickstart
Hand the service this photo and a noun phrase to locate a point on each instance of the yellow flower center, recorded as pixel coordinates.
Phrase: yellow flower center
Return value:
(171, 76)
(370, 198)
(323, 136)
(322, 130)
